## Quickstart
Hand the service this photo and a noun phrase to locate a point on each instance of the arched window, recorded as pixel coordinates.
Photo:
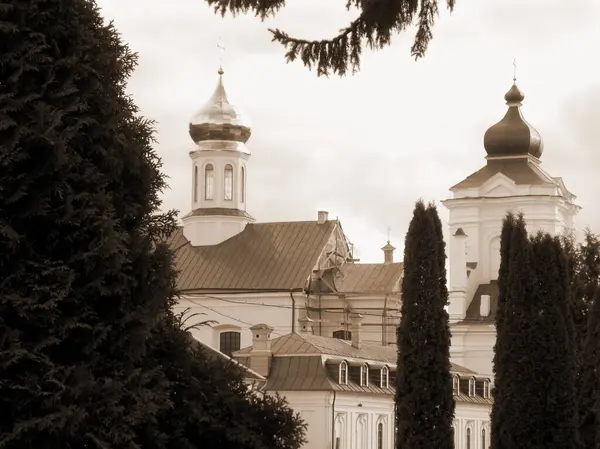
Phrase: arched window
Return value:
(483, 446)
(195, 183)
(229, 342)
(380, 435)
(228, 183)
(472, 387)
(342, 335)
(455, 385)
(209, 182)
(468, 438)
(364, 375)
(486, 389)
(242, 184)
(385, 374)
(343, 374)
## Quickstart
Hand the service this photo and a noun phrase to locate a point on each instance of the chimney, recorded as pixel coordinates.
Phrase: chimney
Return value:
(388, 253)
(260, 355)
(356, 320)
(306, 325)
(322, 217)
(485, 305)
(458, 261)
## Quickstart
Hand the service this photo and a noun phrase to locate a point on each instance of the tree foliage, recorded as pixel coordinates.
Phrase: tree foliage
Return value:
(424, 399)
(534, 363)
(89, 349)
(589, 399)
(377, 22)
(83, 279)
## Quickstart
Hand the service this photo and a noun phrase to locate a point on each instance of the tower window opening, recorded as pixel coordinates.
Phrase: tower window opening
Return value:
(195, 183)
(209, 182)
(228, 179)
(242, 184)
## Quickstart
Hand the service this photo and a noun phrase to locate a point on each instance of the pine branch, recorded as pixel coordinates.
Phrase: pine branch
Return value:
(374, 27)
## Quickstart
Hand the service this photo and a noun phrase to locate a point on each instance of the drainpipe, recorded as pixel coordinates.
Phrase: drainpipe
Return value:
(333, 422)
(293, 310)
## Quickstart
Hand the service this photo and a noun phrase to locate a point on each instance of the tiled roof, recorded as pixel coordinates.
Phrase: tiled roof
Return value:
(308, 344)
(521, 171)
(265, 256)
(368, 277)
(306, 362)
(473, 315)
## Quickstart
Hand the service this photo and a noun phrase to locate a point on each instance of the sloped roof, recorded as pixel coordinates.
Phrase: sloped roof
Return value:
(213, 354)
(265, 256)
(521, 171)
(300, 363)
(368, 277)
(309, 344)
(473, 315)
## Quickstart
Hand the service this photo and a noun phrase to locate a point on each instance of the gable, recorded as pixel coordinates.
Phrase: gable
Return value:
(498, 185)
(520, 171)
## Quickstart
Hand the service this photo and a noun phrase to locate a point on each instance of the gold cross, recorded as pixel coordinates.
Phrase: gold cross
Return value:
(515, 70)
(221, 47)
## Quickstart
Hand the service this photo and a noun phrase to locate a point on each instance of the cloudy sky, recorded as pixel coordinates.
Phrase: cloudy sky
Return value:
(366, 146)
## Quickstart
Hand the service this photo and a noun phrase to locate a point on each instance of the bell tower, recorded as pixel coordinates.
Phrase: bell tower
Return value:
(218, 211)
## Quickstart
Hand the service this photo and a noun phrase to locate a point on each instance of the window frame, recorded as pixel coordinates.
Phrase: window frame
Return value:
(347, 334)
(364, 375)
(379, 435)
(471, 387)
(228, 333)
(343, 373)
(242, 184)
(468, 437)
(384, 374)
(209, 182)
(486, 389)
(196, 184)
(456, 385)
(483, 438)
(228, 171)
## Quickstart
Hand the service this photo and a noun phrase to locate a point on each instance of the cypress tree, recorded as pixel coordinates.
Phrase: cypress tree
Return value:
(534, 362)
(555, 355)
(589, 398)
(84, 277)
(424, 400)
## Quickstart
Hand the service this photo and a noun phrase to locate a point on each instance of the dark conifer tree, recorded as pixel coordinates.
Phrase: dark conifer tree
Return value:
(424, 400)
(589, 398)
(556, 368)
(534, 365)
(83, 279)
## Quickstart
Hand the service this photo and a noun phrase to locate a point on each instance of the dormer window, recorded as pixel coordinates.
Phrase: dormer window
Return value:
(364, 375)
(455, 385)
(385, 377)
(343, 374)
(486, 389)
(471, 387)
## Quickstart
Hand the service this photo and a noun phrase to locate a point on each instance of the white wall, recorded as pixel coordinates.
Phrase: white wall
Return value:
(239, 313)
(356, 417)
(472, 346)
(370, 306)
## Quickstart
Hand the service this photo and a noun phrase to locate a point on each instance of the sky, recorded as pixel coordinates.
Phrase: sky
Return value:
(365, 147)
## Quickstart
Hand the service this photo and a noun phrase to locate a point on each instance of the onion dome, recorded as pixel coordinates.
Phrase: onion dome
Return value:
(219, 120)
(513, 136)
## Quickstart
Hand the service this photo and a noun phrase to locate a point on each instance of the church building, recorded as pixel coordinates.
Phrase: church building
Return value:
(511, 180)
(236, 272)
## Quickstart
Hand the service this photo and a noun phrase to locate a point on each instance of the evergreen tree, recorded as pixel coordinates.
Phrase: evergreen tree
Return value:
(212, 405)
(424, 400)
(84, 281)
(377, 22)
(534, 365)
(589, 399)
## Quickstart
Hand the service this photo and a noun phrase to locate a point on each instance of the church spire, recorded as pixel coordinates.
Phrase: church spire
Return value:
(513, 136)
(219, 131)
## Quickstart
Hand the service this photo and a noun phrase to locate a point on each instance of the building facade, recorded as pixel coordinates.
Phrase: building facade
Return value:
(512, 180)
(235, 272)
(344, 389)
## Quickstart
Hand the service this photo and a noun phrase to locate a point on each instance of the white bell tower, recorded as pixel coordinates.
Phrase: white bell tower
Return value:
(219, 172)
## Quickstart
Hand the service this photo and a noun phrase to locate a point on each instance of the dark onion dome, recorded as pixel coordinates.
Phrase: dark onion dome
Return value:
(219, 120)
(513, 136)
